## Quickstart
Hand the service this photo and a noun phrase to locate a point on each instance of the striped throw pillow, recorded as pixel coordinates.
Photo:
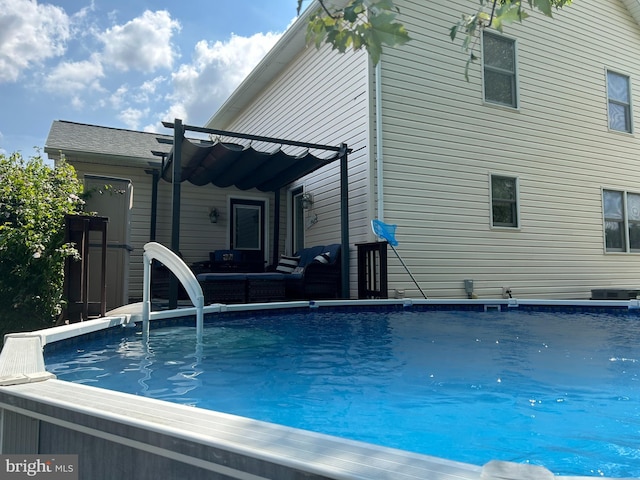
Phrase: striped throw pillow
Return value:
(287, 264)
(322, 258)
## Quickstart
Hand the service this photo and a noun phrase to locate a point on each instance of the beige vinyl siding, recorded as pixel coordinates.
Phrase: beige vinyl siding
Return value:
(198, 236)
(321, 97)
(441, 143)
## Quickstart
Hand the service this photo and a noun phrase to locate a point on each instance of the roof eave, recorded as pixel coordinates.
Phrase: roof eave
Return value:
(634, 9)
(292, 42)
(76, 156)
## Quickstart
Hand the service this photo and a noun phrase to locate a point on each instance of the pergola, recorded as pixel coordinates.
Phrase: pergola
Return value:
(226, 164)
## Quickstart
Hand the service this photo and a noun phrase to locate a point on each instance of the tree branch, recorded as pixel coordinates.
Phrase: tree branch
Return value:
(327, 10)
(493, 11)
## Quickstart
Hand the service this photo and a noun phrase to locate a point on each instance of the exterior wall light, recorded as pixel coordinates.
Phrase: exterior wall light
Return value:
(214, 215)
(307, 201)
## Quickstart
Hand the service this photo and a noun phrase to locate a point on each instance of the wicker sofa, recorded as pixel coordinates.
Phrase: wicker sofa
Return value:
(316, 275)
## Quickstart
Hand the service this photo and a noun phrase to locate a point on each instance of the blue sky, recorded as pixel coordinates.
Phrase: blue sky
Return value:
(125, 63)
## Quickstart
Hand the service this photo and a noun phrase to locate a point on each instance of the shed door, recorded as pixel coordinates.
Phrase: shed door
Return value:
(112, 198)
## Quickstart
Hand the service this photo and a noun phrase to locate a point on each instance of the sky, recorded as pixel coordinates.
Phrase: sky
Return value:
(126, 63)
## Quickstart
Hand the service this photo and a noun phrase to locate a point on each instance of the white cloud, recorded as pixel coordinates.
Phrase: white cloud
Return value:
(143, 43)
(118, 98)
(148, 89)
(200, 87)
(29, 34)
(75, 78)
(132, 117)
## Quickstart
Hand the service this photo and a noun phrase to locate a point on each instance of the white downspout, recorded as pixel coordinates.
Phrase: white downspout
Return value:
(379, 159)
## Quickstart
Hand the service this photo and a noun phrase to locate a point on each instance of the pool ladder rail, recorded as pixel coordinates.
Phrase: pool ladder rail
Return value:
(156, 251)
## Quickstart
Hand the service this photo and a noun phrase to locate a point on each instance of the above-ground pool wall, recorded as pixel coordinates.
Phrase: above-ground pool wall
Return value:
(108, 450)
(123, 436)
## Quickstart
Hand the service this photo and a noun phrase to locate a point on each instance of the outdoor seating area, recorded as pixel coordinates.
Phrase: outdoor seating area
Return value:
(311, 274)
(242, 287)
(316, 275)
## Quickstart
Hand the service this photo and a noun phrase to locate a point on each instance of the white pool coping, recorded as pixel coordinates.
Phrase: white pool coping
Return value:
(23, 375)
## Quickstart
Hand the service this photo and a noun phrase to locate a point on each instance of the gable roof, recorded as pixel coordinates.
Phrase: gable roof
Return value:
(79, 141)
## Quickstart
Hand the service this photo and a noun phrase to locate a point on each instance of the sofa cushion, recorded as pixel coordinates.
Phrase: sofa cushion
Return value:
(287, 264)
(308, 254)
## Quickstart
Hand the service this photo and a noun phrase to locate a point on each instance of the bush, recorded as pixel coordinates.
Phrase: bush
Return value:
(34, 199)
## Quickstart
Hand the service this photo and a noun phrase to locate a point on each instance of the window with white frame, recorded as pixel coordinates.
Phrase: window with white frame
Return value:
(504, 201)
(499, 69)
(619, 99)
(621, 221)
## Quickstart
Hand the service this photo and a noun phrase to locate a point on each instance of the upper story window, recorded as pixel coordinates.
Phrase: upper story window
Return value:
(619, 98)
(504, 201)
(621, 221)
(499, 69)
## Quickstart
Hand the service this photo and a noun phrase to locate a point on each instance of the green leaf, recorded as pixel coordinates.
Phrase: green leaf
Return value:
(350, 14)
(544, 6)
(453, 32)
(385, 31)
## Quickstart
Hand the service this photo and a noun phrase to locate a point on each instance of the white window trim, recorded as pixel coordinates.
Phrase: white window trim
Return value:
(288, 240)
(518, 225)
(606, 81)
(517, 76)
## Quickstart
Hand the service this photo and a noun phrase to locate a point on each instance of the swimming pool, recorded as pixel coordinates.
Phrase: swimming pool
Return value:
(441, 383)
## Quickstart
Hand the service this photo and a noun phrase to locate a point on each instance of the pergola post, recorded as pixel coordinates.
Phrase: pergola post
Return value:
(154, 204)
(178, 134)
(276, 227)
(344, 218)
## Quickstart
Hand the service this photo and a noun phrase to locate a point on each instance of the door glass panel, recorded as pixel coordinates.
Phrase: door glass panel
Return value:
(247, 231)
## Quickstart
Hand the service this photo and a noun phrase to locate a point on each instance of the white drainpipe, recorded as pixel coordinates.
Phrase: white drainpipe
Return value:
(379, 159)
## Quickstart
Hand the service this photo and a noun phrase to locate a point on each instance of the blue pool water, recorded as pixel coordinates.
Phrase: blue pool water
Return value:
(559, 390)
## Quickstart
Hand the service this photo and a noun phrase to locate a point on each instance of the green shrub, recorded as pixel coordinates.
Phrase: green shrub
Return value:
(34, 199)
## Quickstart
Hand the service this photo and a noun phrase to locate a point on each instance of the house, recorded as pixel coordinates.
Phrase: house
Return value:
(523, 178)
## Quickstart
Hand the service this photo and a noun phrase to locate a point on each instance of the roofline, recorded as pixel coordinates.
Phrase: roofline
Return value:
(290, 45)
(73, 156)
(115, 128)
(634, 9)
